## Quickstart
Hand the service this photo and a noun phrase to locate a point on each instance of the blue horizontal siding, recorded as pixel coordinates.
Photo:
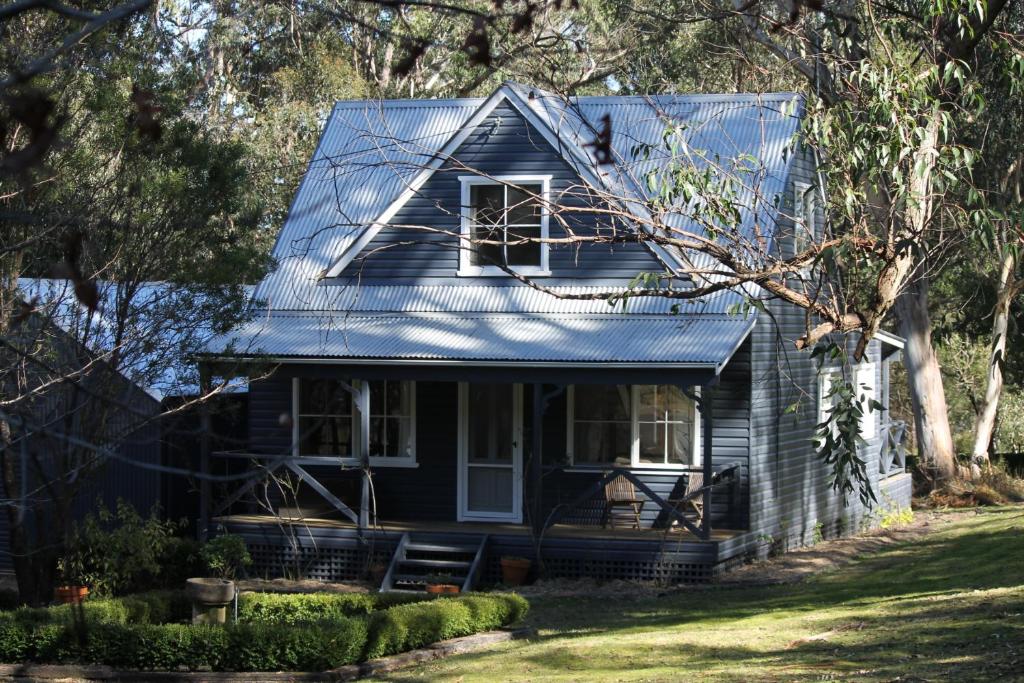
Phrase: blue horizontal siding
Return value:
(503, 144)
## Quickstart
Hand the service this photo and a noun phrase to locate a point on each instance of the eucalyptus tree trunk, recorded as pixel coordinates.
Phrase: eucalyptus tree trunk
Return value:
(931, 420)
(988, 407)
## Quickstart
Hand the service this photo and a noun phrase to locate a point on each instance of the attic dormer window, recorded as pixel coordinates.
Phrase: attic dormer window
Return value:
(500, 217)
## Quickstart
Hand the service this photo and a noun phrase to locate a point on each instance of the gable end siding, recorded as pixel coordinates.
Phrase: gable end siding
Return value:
(503, 144)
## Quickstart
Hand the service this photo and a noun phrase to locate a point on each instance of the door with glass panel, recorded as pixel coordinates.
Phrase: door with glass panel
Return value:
(490, 452)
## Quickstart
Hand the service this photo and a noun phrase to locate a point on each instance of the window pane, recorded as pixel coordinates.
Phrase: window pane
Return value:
(664, 443)
(663, 402)
(606, 443)
(325, 436)
(487, 203)
(487, 254)
(391, 437)
(523, 205)
(490, 489)
(390, 398)
(490, 423)
(526, 254)
(323, 397)
(602, 402)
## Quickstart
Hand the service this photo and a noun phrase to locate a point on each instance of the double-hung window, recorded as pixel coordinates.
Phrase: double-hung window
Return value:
(503, 220)
(632, 426)
(327, 421)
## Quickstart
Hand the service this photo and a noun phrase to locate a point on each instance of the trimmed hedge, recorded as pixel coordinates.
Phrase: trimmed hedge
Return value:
(407, 627)
(327, 631)
(305, 608)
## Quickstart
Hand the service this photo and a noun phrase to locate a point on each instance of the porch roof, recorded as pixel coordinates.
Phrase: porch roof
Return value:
(705, 342)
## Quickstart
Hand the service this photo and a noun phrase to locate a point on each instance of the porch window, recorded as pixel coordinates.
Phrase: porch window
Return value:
(632, 426)
(325, 418)
(391, 420)
(504, 211)
(327, 421)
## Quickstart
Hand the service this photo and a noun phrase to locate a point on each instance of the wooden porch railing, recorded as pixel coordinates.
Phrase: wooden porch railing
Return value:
(296, 465)
(725, 476)
(893, 455)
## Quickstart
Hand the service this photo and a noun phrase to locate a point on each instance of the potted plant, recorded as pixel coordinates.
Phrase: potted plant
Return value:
(225, 556)
(72, 573)
(514, 570)
(442, 584)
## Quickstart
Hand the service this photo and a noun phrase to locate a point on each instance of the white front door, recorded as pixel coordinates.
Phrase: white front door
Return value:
(490, 452)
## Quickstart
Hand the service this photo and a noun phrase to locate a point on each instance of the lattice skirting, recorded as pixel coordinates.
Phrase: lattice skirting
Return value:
(348, 559)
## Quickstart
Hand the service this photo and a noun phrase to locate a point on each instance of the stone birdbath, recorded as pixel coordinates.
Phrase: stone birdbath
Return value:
(210, 599)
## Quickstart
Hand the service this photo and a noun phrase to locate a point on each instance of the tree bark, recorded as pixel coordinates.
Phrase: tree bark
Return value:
(931, 421)
(988, 407)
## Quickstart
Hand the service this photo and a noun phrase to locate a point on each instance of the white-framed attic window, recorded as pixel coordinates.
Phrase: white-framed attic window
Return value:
(326, 421)
(507, 210)
(634, 426)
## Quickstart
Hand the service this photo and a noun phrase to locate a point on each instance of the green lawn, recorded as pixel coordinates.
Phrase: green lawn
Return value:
(949, 606)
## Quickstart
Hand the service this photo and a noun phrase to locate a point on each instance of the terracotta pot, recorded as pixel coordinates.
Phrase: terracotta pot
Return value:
(514, 570)
(442, 588)
(449, 588)
(71, 595)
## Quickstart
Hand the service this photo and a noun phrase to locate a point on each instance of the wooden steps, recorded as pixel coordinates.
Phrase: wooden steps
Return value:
(421, 558)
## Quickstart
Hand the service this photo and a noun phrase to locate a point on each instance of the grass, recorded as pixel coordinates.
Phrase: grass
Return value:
(949, 606)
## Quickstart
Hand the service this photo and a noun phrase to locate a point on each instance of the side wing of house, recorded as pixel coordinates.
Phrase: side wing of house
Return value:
(791, 500)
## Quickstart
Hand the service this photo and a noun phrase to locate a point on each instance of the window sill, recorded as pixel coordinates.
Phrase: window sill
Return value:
(394, 463)
(490, 271)
(356, 462)
(587, 469)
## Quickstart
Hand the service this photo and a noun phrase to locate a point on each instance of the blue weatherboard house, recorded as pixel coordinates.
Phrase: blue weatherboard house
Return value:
(448, 392)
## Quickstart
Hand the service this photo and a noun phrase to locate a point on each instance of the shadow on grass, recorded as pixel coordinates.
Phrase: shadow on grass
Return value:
(909, 610)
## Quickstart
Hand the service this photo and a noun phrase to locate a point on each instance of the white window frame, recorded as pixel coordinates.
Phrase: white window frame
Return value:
(863, 374)
(357, 436)
(466, 268)
(696, 455)
(803, 193)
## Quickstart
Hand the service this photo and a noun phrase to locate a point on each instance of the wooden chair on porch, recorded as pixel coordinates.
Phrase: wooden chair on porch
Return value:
(621, 503)
(692, 500)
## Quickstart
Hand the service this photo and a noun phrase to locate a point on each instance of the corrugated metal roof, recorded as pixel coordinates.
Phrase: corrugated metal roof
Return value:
(506, 298)
(704, 340)
(371, 150)
(369, 154)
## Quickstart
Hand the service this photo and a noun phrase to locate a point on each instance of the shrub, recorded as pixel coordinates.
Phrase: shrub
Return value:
(117, 552)
(406, 627)
(226, 555)
(179, 561)
(115, 631)
(265, 647)
(302, 608)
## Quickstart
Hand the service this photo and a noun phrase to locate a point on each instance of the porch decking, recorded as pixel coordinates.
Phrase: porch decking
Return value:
(333, 549)
(556, 531)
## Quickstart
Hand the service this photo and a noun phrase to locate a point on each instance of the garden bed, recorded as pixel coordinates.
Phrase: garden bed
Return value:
(274, 632)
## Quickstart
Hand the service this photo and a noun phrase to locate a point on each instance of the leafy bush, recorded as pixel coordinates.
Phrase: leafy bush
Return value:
(302, 608)
(226, 555)
(406, 627)
(336, 630)
(117, 552)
